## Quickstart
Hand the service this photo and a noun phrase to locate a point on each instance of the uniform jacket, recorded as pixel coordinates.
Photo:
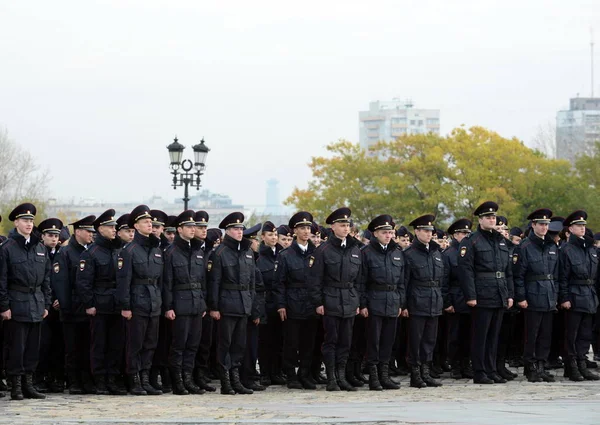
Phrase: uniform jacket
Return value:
(266, 265)
(452, 292)
(484, 269)
(184, 278)
(96, 280)
(24, 278)
(64, 269)
(232, 278)
(291, 284)
(139, 276)
(335, 277)
(578, 274)
(535, 273)
(383, 273)
(425, 275)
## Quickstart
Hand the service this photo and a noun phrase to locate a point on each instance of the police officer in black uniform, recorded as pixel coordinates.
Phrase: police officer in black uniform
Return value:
(335, 280)
(578, 288)
(485, 274)
(184, 284)
(24, 300)
(458, 313)
(291, 298)
(96, 286)
(231, 293)
(76, 323)
(139, 283)
(535, 274)
(425, 275)
(124, 233)
(383, 280)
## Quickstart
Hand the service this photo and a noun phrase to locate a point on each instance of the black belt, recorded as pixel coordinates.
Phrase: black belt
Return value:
(234, 287)
(581, 282)
(145, 281)
(490, 275)
(105, 284)
(340, 285)
(184, 286)
(297, 285)
(535, 277)
(23, 288)
(427, 283)
(378, 287)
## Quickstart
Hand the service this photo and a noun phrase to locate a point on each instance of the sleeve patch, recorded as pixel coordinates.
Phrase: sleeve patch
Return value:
(311, 261)
(515, 258)
(56, 267)
(209, 266)
(463, 251)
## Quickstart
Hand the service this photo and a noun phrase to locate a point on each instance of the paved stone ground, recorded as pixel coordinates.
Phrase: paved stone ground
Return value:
(457, 402)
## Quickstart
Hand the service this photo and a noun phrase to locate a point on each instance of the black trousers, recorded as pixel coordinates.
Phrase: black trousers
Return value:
(52, 346)
(422, 334)
(358, 348)
(458, 331)
(558, 346)
(248, 370)
(507, 334)
(579, 335)
(23, 346)
(485, 331)
(298, 343)
(380, 335)
(206, 338)
(400, 341)
(107, 344)
(77, 346)
(270, 347)
(231, 341)
(186, 335)
(338, 339)
(317, 358)
(163, 346)
(141, 341)
(440, 353)
(538, 335)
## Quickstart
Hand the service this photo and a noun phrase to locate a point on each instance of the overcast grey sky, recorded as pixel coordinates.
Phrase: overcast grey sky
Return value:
(97, 89)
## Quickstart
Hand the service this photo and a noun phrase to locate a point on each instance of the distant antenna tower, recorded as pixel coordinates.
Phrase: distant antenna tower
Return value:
(409, 103)
(592, 57)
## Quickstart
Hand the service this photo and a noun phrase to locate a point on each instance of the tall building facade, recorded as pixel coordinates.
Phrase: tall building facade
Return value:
(387, 120)
(578, 128)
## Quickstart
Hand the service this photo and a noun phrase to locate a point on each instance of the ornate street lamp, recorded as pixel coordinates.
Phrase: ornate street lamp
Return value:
(182, 169)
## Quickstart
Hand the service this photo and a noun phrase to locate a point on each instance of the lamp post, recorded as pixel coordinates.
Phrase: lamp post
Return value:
(182, 169)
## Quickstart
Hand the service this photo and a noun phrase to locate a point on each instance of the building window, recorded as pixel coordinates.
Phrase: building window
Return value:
(433, 121)
(412, 122)
(420, 122)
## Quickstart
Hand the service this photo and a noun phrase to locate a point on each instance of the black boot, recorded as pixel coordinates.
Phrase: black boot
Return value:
(201, 381)
(318, 375)
(113, 387)
(544, 374)
(225, 382)
(135, 385)
(236, 384)
(416, 381)
(155, 378)
(305, 379)
(145, 380)
(3, 386)
(332, 384)
(293, 383)
(358, 372)
(393, 369)
(16, 392)
(467, 369)
(456, 372)
(278, 379)
(374, 384)
(165, 375)
(384, 378)
(56, 383)
(573, 370)
(341, 376)
(190, 385)
(532, 372)
(178, 387)
(352, 380)
(427, 378)
(101, 388)
(497, 378)
(503, 371)
(585, 372)
(39, 382)
(445, 366)
(87, 383)
(75, 383)
(29, 390)
(435, 371)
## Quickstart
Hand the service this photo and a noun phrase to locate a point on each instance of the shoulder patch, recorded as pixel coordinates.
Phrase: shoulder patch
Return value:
(209, 265)
(463, 251)
(81, 265)
(120, 263)
(56, 267)
(515, 258)
(276, 263)
(311, 261)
